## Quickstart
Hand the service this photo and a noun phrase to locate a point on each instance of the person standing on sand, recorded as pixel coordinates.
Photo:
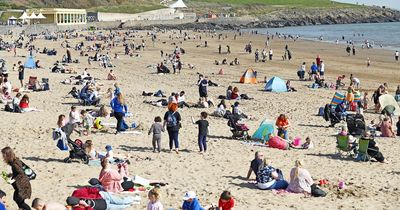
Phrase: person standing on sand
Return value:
(21, 184)
(348, 49)
(270, 54)
(21, 70)
(219, 49)
(172, 121)
(354, 50)
(368, 62)
(396, 55)
(256, 56)
(228, 49)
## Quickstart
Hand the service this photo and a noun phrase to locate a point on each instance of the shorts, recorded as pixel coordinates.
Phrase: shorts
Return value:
(203, 95)
(4, 75)
(321, 73)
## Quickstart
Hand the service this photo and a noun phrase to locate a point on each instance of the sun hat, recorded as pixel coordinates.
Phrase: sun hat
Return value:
(189, 195)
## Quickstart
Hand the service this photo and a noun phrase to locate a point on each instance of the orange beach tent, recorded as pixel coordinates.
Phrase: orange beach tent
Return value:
(249, 77)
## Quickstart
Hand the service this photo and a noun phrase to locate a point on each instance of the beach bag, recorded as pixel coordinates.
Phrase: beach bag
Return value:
(321, 111)
(28, 171)
(171, 120)
(61, 145)
(317, 192)
(7, 108)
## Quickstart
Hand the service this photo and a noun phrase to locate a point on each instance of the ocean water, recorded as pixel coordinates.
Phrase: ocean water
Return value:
(385, 34)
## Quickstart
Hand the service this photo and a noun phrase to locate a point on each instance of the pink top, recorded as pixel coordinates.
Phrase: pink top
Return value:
(301, 183)
(111, 180)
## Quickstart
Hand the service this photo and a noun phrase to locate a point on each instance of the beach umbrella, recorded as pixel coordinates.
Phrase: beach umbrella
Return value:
(40, 16)
(24, 16)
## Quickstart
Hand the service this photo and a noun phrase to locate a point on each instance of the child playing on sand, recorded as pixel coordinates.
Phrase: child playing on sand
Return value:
(203, 131)
(308, 144)
(154, 199)
(365, 101)
(87, 122)
(226, 201)
(157, 128)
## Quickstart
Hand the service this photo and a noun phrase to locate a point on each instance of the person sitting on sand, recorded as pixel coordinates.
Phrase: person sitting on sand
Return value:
(191, 202)
(339, 81)
(269, 178)
(235, 94)
(229, 92)
(24, 104)
(255, 164)
(289, 87)
(386, 128)
(226, 201)
(300, 179)
(111, 179)
(282, 123)
(91, 151)
(111, 75)
(221, 109)
(182, 100)
(237, 112)
(398, 127)
(397, 94)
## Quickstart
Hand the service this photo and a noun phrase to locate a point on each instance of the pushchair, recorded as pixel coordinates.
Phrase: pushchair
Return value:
(331, 116)
(239, 130)
(77, 152)
(355, 124)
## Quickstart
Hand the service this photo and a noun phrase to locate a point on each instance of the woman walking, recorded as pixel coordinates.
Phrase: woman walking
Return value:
(21, 183)
(119, 107)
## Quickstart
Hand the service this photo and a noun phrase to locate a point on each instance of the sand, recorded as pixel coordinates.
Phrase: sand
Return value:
(370, 185)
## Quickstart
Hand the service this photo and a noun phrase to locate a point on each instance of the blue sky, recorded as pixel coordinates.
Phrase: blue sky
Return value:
(395, 4)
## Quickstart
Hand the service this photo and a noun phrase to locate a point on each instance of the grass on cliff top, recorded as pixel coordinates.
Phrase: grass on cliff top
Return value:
(297, 3)
(127, 8)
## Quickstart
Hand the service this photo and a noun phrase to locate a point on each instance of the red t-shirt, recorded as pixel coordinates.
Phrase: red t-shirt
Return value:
(226, 205)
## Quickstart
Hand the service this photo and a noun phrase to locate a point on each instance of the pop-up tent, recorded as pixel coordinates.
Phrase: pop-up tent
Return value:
(276, 85)
(386, 100)
(249, 77)
(266, 127)
(30, 63)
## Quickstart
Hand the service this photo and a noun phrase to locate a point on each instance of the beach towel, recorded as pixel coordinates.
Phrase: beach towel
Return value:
(337, 99)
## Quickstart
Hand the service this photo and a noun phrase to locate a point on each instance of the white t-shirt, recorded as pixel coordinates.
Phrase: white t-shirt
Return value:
(396, 54)
(356, 81)
(322, 67)
(74, 117)
(155, 206)
(181, 99)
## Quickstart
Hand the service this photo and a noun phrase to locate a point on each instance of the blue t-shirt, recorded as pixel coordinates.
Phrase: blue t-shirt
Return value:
(2, 207)
(314, 69)
(194, 205)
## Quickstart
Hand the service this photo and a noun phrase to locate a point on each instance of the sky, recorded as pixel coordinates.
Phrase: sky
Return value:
(395, 4)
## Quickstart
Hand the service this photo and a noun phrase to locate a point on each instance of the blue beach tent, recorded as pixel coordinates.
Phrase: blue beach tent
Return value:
(30, 63)
(276, 85)
(266, 127)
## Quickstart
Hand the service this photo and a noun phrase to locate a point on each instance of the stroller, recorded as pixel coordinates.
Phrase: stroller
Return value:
(355, 124)
(77, 152)
(331, 116)
(239, 131)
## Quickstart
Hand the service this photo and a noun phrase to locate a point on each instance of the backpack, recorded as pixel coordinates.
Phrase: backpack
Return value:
(317, 192)
(171, 120)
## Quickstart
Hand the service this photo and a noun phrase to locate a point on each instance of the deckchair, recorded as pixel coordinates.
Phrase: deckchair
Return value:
(343, 145)
(32, 83)
(363, 150)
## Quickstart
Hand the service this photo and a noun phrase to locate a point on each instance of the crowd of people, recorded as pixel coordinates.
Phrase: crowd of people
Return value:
(101, 193)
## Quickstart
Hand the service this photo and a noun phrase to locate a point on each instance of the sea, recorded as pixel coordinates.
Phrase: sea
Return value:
(381, 35)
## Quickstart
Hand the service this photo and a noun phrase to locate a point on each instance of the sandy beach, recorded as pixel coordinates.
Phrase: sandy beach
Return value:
(370, 185)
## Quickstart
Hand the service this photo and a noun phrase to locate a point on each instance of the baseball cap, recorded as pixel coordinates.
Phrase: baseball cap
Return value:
(108, 147)
(189, 195)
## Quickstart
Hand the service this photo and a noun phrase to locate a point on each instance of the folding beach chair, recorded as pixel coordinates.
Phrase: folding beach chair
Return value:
(363, 150)
(343, 145)
(32, 83)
